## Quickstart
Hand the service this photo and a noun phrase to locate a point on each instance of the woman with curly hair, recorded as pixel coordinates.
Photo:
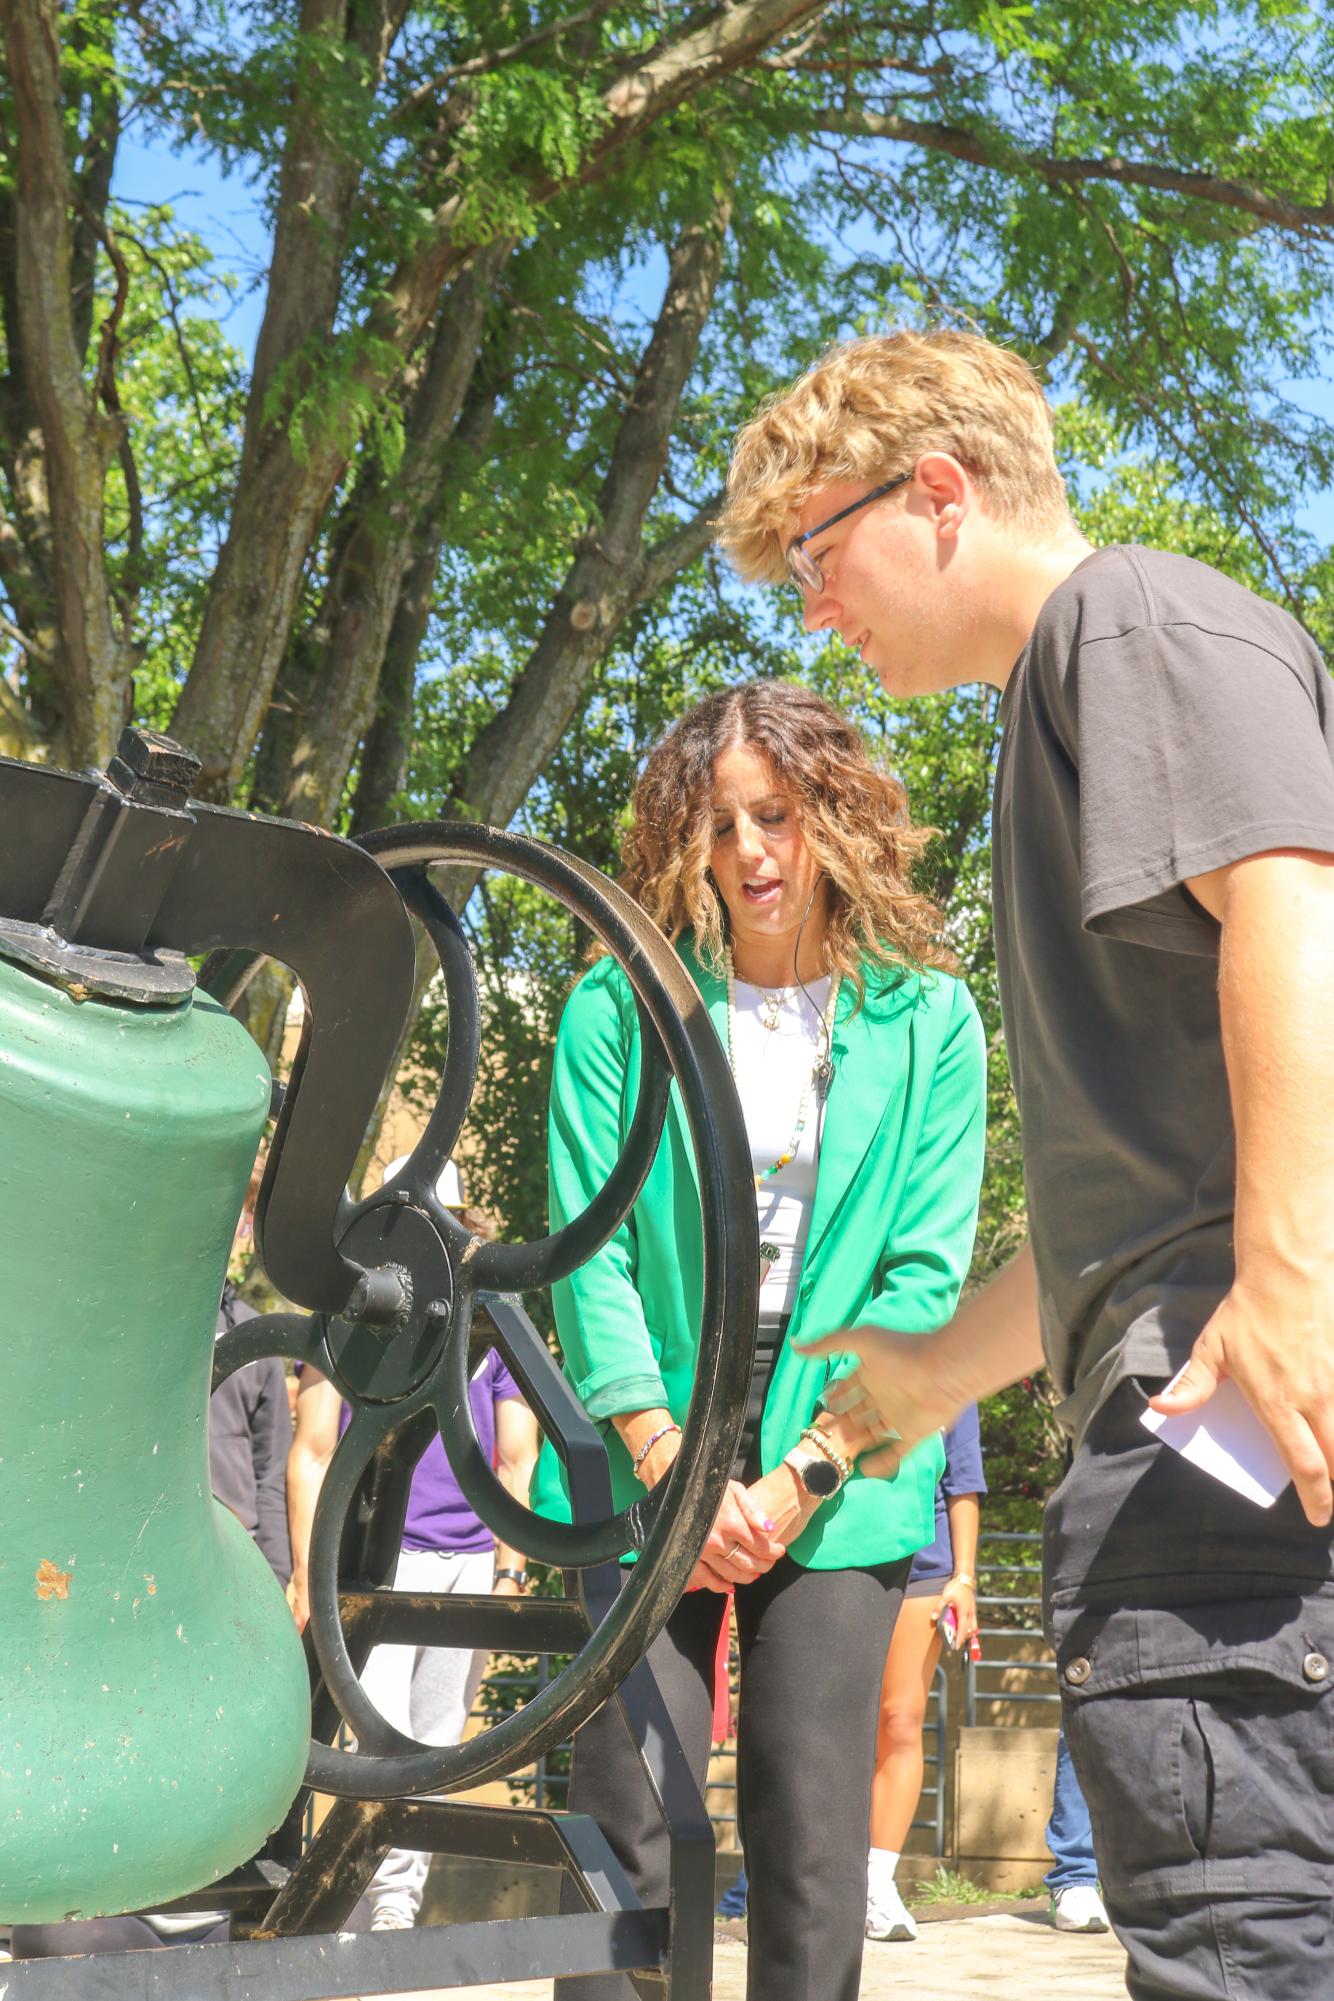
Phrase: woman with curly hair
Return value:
(778, 859)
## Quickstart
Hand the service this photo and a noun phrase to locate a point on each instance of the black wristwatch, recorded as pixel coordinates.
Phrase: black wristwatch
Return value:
(818, 1475)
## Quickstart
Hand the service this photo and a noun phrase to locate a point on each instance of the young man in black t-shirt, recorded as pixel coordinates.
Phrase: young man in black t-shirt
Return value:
(1163, 858)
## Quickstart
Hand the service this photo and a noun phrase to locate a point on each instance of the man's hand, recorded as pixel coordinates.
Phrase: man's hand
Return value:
(1272, 1336)
(298, 1603)
(909, 1385)
(1272, 1333)
(899, 1392)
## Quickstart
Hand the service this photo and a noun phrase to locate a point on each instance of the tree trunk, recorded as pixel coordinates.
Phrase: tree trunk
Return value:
(90, 661)
(285, 483)
(339, 659)
(610, 574)
(384, 753)
(282, 491)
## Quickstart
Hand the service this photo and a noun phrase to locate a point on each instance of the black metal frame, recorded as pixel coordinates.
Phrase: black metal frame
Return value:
(403, 1296)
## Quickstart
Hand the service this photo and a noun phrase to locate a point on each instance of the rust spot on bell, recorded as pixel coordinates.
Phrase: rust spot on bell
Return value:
(52, 1581)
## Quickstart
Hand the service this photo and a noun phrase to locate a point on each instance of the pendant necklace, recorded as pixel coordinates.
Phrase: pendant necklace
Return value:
(771, 1008)
(821, 1069)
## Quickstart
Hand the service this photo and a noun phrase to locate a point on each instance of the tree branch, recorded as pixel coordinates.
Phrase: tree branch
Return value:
(497, 58)
(107, 350)
(1000, 152)
(19, 638)
(676, 552)
(610, 575)
(93, 191)
(168, 284)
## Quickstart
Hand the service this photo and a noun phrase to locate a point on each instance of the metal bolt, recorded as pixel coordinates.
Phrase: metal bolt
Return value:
(379, 1297)
(1078, 1671)
(152, 769)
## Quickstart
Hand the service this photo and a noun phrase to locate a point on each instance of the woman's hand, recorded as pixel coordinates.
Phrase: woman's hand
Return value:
(785, 1502)
(743, 1543)
(963, 1597)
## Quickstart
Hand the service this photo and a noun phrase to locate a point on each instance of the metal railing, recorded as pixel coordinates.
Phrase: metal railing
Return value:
(1010, 1609)
(932, 1795)
(540, 1785)
(1009, 1604)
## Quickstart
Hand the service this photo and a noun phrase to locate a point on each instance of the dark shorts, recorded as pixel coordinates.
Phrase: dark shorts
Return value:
(926, 1587)
(1194, 1636)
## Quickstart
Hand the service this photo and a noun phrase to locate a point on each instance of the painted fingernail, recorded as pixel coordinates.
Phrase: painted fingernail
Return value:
(768, 1528)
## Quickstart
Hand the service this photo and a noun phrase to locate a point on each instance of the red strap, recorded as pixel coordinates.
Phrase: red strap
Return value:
(722, 1684)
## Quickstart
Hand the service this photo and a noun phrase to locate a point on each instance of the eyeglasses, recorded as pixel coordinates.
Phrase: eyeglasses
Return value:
(805, 570)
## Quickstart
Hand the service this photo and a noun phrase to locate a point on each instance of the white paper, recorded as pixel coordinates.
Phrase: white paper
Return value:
(1227, 1440)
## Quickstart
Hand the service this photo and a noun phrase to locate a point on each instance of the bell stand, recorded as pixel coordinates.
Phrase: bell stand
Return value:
(290, 1949)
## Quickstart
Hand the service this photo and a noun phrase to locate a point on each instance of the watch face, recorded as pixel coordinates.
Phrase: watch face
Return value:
(820, 1478)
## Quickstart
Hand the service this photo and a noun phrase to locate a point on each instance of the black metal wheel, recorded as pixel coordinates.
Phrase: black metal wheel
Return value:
(412, 1369)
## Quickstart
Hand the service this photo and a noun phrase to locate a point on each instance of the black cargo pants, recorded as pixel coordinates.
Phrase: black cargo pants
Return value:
(1194, 1635)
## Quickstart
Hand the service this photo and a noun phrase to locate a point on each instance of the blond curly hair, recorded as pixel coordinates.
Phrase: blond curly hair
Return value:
(854, 820)
(867, 411)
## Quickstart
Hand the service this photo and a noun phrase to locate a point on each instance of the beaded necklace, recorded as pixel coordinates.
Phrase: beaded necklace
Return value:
(821, 1069)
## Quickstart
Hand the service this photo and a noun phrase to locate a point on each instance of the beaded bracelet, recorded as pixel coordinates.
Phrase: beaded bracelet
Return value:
(828, 1451)
(644, 1450)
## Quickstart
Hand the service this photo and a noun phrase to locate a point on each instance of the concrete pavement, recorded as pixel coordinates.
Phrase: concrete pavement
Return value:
(1007, 1956)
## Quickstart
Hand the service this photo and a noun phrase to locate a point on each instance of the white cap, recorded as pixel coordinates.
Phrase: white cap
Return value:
(448, 1189)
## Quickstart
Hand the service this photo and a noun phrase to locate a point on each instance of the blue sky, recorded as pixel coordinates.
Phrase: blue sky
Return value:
(226, 213)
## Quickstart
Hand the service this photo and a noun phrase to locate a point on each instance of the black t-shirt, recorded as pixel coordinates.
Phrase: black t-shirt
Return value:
(1161, 722)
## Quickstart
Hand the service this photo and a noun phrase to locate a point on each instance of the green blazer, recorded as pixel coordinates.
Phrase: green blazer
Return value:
(889, 1243)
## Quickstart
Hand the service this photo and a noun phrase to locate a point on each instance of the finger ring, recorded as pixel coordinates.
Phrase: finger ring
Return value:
(728, 1554)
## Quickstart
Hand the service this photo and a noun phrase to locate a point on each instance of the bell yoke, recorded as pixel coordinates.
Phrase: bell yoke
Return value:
(155, 1701)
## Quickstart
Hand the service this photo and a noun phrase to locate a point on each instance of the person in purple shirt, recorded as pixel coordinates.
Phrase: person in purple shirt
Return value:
(425, 1692)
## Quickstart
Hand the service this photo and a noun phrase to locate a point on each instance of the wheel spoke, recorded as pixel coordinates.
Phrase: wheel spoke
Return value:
(441, 1133)
(297, 1337)
(369, 1427)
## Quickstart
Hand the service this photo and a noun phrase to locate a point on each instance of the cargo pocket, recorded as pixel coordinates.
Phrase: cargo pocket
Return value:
(1204, 1742)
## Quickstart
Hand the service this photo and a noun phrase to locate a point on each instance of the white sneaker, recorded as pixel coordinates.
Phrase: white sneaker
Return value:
(1079, 1908)
(888, 1917)
(390, 1920)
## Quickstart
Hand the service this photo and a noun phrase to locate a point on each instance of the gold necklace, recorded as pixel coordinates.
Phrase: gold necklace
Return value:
(820, 1070)
(771, 1007)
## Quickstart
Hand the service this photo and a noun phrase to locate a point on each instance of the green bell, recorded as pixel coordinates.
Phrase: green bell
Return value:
(154, 1698)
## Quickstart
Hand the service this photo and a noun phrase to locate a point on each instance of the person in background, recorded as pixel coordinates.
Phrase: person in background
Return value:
(250, 1421)
(426, 1692)
(1072, 1880)
(942, 1575)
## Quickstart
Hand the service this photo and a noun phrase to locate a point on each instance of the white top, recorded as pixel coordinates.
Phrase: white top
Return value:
(773, 1068)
